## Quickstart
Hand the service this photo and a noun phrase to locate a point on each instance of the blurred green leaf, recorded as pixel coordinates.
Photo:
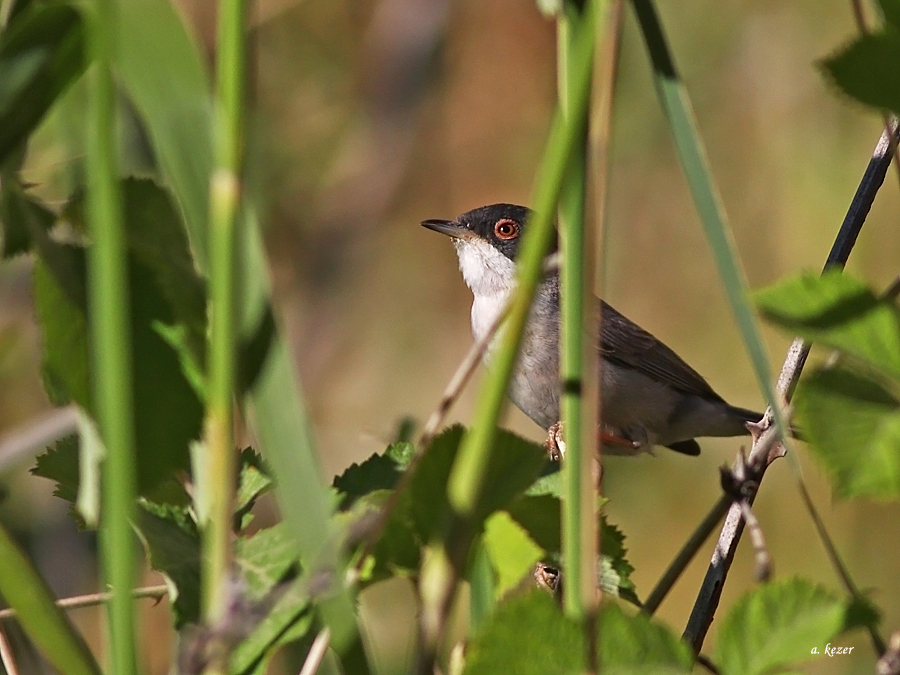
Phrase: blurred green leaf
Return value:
(891, 11)
(44, 622)
(528, 635)
(837, 311)
(776, 625)
(161, 68)
(266, 560)
(867, 69)
(41, 54)
(512, 552)
(165, 291)
(635, 645)
(615, 570)
(254, 480)
(853, 424)
(172, 544)
(20, 214)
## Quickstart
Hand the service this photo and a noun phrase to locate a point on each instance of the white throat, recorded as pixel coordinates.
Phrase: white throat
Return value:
(490, 275)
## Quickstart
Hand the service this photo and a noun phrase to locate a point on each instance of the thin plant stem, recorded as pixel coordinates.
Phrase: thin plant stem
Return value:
(94, 599)
(444, 558)
(316, 653)
(579, 506)
(110, 338)
(225, 194)
(6, 654)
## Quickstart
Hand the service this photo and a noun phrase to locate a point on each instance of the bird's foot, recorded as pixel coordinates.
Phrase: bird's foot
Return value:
(556, 443)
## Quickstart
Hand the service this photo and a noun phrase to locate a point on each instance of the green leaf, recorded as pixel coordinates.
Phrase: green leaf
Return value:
(514, 465)
(776, 625)
(891, 11)
(60, 464)
(853, 425)
(378, 472)
(867, 69)
(20, 215)
(838, 311)
(41, 54)
(45, 623)
(512, 552)
(528, 635)
(539, 516)
(254, 480)
(168, 411)
(172, 544)
(637, 645)
(161, 68)
(265, 560)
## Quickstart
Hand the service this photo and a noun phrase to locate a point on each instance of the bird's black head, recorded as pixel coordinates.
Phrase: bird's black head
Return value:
(501, 225)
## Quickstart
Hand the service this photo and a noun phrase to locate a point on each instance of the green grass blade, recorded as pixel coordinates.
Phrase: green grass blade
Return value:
(161, 67)
(44, 622)
(676, 105)
(110, 338)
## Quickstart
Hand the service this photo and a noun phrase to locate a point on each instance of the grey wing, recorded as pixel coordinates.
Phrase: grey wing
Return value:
(624, 342)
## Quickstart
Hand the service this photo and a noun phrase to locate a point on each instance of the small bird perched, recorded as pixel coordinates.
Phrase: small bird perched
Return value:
(650, 396)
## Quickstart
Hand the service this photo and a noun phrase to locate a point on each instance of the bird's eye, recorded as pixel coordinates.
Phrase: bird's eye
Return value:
(506, 229)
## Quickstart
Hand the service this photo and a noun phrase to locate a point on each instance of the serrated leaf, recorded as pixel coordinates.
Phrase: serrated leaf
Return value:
(776, 625)
(172, 544)
(867, 69)
(41, 54)
(837, 311)
(512, 552)
(637, 645)
(253, 481)
(615, 570)
(853, 425)
(528, 635)
(60, 464)
(378, 472)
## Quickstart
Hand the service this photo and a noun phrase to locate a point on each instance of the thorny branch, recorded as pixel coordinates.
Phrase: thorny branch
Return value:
(760, 456)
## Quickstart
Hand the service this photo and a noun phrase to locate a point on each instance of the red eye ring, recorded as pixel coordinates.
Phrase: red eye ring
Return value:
(506, 228)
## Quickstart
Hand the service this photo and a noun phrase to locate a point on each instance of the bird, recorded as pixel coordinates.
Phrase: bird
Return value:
(650, 395)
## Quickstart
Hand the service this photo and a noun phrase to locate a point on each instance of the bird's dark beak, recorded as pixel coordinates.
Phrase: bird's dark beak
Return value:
(449, 227)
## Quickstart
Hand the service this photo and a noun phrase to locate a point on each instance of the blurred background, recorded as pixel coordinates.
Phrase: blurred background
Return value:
(370, 116)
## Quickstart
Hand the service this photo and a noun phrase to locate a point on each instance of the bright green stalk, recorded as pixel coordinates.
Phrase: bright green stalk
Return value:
(466, 478)
(45, 623)
(110, 337)
(224, 205)
(579, 504)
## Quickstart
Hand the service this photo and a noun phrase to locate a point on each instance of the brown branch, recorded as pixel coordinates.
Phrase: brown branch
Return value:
(316, 653)
(760, 456)
(6, 654)
(92, 599)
